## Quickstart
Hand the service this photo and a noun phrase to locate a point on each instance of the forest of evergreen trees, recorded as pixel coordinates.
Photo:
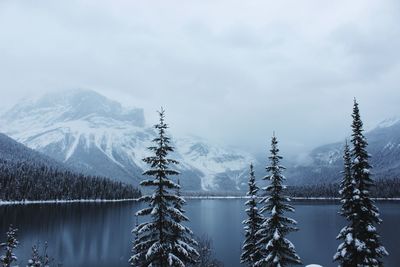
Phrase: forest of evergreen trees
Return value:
(265, 228)
(383, 188)
(163, 239)
(24, 181)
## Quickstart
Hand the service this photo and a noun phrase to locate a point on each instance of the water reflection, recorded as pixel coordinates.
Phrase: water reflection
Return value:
(88, 234)
(99, 234)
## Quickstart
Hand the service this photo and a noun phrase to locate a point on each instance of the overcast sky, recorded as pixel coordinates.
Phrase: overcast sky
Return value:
(230, 71)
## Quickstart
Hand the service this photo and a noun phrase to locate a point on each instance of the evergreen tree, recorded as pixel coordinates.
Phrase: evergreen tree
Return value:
(206, 255)
(45, 259)
(10, 244)
(163, 241)
(346, 251)
(277, 251)
(38, 260)
(35, 258)
(183, 236)
(250, 250)
(366, 215)
(26, 181)
(139, 258)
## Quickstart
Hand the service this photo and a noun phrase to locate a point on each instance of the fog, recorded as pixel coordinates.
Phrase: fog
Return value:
(230, 71)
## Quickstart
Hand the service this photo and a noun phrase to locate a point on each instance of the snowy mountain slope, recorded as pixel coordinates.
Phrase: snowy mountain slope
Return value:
(384, 148)
(26, 174)
(222, 168)
(98, 136)
(12, 151)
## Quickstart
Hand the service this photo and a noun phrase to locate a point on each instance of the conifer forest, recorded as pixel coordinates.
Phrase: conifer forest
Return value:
(199, 133)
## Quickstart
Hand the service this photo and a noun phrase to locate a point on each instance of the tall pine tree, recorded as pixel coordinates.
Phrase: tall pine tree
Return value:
(366, 215)
(163, 241)
(183, 237)
(250, 251)
(11, 243)
(346, 251)
(277, 251)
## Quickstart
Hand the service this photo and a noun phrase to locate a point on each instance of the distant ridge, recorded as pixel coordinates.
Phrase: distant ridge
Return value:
(88, 132)
(326, 161)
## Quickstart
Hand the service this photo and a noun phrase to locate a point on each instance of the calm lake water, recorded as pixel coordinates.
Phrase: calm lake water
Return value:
(99, 234)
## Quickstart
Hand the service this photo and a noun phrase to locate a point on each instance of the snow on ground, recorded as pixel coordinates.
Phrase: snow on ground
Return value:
(27, 202)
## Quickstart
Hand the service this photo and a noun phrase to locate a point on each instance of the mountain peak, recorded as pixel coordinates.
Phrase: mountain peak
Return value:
(96, 135)
(389, 122)
(73, 105)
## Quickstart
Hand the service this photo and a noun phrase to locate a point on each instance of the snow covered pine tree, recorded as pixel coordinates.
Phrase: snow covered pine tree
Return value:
(35, 261)
(251, 252)
(368, 250)
(277, 251)
(163, 241)
(10, 244)
(38, 260)
(346, 251)
(185, 248)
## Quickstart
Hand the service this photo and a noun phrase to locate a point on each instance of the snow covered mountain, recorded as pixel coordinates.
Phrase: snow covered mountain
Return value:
(98, 136)
(222, 169)
(12, 152)
(326, 163)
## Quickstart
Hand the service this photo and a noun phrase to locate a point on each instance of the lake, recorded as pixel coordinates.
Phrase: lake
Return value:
(99, 234)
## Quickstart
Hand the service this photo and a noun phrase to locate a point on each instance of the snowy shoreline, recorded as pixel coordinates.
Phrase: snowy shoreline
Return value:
(292, 198)
(30, 202)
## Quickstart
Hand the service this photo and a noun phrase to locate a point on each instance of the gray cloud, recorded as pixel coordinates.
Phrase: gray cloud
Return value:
(230, 71)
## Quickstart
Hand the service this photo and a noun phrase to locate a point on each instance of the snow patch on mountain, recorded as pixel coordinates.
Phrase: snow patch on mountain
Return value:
(329, 157)
(389, 122)
(213, 160)
(89, 131)
(390, 146)
(327, 162)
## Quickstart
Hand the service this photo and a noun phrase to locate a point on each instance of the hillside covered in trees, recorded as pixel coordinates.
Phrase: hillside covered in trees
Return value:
(383, 188)
(28, 175)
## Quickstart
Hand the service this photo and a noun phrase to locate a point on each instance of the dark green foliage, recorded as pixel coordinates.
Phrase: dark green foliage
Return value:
(250, 250)
(275, 248)
(183, 237)
(347, 185)
(39, 259)
(346, 251)
(163, 241)
(34, 261)
(361, 245)
(206, 256)
(24, 181)
(384, 188)
(366, 214)
(8, 247)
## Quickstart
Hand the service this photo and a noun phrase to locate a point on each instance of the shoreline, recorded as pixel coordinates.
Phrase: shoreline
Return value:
(32, 202)
(292, 198)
